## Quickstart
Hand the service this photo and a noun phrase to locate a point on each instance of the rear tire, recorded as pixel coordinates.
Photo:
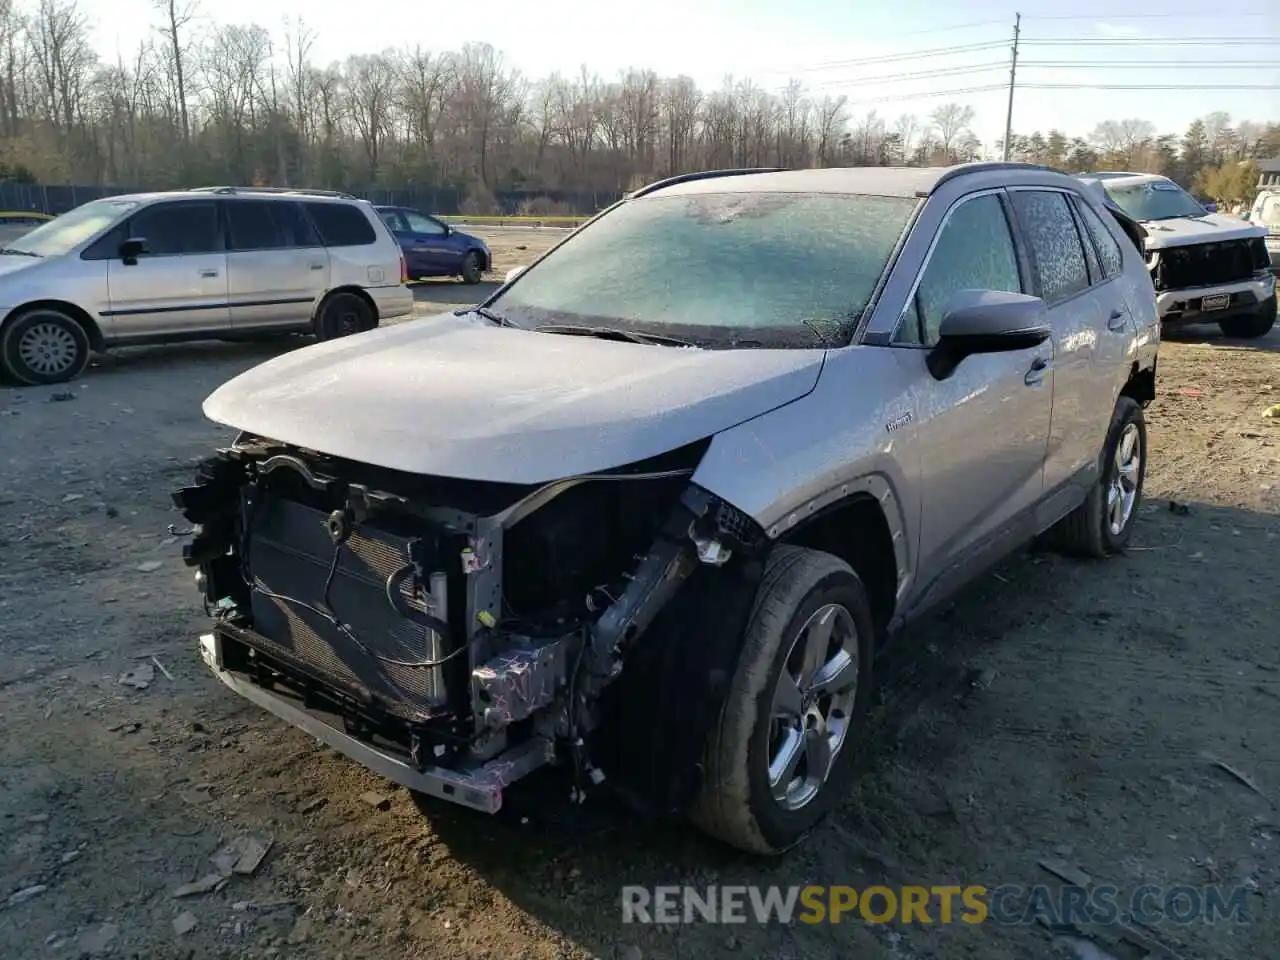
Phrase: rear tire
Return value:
(471, 268)
(1250, 326)
(43, 346)
(343, 314)
(802, 591)
(1095, 528)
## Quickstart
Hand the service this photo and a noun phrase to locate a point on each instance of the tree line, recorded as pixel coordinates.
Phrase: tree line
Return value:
(237, 104)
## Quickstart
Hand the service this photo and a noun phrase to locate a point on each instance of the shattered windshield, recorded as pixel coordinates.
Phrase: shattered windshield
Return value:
(722, 269)
(1153, 200)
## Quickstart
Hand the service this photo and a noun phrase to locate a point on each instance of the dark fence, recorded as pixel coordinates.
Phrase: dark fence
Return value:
(444, 200)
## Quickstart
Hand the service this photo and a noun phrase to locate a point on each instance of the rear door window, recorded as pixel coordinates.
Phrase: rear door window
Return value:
(341, 224)
(268, 225)
(181, 227)
(1109, 255)
(394, 220)
(1056, 250)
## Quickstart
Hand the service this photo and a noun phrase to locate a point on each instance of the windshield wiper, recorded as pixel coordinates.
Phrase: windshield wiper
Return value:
(10, 251)
(614, 333)
(489, 315)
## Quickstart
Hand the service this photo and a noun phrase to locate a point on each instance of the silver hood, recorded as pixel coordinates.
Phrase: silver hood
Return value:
(456, 397)
(1211, 228)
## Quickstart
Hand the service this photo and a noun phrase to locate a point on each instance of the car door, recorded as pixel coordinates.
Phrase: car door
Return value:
(276, 266)
(981, 432)
(1079, 314)
(427, 234)
(179, 286)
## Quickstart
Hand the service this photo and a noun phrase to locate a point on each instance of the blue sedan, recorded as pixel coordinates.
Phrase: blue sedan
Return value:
(433, 248)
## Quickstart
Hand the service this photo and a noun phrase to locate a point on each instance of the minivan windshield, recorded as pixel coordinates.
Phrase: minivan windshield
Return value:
(718, 269)
(1153, 199)
(68, 231)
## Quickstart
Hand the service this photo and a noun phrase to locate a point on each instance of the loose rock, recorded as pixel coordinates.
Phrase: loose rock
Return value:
(184, 923)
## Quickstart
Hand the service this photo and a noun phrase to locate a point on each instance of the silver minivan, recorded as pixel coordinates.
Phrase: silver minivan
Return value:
(210, 263)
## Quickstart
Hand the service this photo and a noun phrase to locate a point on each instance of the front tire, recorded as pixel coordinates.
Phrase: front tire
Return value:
(1250, 326)
(472, 269)
(43, 346)
(343, 314)
(1102, 525)
(782, 751)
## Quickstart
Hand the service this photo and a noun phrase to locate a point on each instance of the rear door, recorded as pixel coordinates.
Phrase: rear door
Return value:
(1088, 322)
(277, 268)
(180, 285)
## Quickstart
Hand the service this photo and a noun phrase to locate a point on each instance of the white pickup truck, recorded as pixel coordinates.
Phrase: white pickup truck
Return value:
(1206, 267)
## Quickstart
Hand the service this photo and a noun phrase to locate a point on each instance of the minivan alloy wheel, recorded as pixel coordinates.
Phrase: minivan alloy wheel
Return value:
(1123, 491)
(812, 703)
(47, 348)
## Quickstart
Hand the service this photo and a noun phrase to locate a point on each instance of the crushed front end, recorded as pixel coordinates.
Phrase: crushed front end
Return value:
(456, 635)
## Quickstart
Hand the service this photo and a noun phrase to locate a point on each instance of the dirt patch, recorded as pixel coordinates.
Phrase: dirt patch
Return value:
(1060, 709)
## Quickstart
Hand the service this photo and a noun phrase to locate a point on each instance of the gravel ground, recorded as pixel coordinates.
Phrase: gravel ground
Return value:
(1059, 709)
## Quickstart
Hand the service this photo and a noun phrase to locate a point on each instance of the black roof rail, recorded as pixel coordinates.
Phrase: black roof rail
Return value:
(305, 191)
(700, 175)
(986, 166)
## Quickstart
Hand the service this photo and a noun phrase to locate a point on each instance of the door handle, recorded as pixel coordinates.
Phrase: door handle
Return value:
(317, 266)
(208, 273)
(1116, 321)
(1036, 374)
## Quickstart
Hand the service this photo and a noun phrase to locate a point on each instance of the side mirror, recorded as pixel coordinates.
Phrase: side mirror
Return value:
(986, 321)
(513, 273)
(1210, 207)
(133, 248)
(448, 230)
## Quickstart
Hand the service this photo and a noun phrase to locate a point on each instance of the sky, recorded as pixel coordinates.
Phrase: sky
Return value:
(832, 46)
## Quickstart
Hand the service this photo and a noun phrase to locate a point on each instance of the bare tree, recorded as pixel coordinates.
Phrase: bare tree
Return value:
(177, 16)
(950, 122)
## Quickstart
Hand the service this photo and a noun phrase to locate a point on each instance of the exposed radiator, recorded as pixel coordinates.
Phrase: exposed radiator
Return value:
(290, 553)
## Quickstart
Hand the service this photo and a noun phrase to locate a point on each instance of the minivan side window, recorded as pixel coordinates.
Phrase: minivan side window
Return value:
(974, 251)
(176, 228)
(1056, 251)
(268, 225)
(341, 224)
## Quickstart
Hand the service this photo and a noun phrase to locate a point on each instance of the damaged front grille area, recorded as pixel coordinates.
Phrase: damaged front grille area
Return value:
(373, 646)
(1209, 264)
(452, 624)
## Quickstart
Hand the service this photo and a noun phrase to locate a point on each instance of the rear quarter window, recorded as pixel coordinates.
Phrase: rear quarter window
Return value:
(341, 224)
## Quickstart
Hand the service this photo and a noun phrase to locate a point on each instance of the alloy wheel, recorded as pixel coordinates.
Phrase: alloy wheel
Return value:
(812, 703)
(1122, 492)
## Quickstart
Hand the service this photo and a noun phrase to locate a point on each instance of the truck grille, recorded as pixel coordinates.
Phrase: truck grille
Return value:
(1206, 264)
(289, 554)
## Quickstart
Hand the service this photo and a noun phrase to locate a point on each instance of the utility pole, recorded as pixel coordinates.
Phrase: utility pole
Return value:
(1013, 77)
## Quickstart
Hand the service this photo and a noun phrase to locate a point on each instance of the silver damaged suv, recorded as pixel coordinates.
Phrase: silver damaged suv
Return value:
(648, 514)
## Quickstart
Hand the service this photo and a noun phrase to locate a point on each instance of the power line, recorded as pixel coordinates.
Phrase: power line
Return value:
(988, 88)
(1151, 86)
(1155, 16)
(896, 57)
(1153, 42)
(936, 73)
(1144, 64)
